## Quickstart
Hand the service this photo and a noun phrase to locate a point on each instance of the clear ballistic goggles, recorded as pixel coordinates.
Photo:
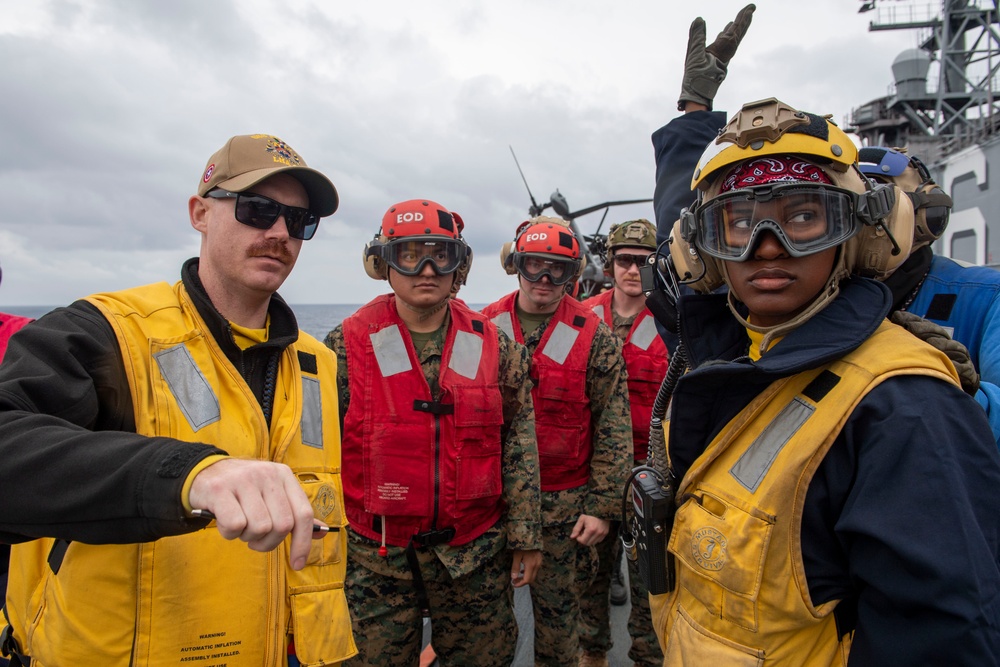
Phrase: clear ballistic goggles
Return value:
(262, 212)
(409, 256)
(535, 267)
(805, 218)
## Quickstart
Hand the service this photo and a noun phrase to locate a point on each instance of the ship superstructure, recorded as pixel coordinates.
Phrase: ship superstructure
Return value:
(944, 107)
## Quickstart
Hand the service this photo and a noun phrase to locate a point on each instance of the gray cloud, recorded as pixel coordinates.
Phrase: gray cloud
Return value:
(111, 109)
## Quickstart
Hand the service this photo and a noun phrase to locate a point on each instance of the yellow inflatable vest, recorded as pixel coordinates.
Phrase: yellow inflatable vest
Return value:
(741, 593)
(198, 598)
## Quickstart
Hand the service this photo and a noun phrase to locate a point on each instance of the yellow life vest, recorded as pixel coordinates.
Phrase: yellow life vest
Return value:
(741, 593)
(198, 598)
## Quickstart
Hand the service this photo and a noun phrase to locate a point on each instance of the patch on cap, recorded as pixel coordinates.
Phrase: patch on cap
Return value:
(248, 159)
(282, 152)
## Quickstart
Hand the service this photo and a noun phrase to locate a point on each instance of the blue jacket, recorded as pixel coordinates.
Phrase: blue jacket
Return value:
(966, 300)
(900, 520)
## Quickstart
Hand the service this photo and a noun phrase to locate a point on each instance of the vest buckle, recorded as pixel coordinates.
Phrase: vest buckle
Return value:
(433, 538)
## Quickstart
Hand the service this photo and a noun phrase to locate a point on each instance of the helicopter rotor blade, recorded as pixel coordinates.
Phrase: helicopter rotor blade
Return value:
(601, 223)
(535, 209)
(597, 207)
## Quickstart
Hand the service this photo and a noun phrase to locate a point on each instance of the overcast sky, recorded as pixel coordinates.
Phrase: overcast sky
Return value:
(111, 108)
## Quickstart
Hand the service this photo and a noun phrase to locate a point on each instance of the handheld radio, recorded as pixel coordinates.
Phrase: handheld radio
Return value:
(653, 509)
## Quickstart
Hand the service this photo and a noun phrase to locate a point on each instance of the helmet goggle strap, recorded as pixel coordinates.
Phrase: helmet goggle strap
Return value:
(535, 267)
(806, 219)
(410, 255)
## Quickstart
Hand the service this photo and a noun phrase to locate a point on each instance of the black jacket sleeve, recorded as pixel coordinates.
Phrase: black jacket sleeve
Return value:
(909, 492)
(677, 146)
(71, 464)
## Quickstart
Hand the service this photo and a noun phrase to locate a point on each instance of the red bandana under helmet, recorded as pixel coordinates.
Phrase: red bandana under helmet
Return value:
(764, 170)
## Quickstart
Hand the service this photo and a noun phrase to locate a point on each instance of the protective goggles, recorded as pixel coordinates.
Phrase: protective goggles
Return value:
(805, 218)
(535, 267)
(262, 212)
(936, 207)
(409, 256)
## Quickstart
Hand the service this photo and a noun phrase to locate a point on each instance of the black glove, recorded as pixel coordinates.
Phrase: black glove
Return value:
(938, 337)
(705, 67)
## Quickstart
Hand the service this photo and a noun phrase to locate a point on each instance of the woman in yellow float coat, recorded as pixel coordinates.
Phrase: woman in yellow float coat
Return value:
(836, 489)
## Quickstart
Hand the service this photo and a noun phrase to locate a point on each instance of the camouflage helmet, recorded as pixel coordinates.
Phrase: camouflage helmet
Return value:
(639, 233)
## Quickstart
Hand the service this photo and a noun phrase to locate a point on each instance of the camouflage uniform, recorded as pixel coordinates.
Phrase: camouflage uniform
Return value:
(468, 586)
(595, 622)
(569, 567)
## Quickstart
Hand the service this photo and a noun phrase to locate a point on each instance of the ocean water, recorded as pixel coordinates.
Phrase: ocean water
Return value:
(315, 319)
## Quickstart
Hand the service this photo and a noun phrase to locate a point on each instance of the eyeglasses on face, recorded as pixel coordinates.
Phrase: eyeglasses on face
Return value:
(262, 212)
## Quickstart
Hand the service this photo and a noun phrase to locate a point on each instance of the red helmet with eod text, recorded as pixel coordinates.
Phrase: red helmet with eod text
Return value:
(415, 234)
(543, 247)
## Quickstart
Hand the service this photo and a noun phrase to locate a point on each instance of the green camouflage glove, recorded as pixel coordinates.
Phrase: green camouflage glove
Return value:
(705, 67)
(938, 337)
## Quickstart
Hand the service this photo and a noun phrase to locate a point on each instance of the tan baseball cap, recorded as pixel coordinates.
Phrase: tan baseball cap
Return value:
(248, 159)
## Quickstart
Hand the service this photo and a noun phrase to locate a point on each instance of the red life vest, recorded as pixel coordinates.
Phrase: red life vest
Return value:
(412, 464)
(562, 408)
(9, 324)
(646, 359)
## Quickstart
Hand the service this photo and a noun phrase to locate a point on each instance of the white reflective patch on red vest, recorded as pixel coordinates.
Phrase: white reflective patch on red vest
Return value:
(505, 322)
(390, 351)
(645, 333)
(559, 344)
(466, 354)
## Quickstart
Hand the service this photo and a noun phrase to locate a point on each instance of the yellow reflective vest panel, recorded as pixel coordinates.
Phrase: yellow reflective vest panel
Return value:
(741, 597)
(198, 598)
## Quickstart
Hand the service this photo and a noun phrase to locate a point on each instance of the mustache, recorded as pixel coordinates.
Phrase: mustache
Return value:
(271, 248)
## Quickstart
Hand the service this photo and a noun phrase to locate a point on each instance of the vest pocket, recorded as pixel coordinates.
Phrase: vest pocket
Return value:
(721, 545)
(398, 470)
(478, 421)
(560, 422)
(322, 627)
(691, 644)
(478, 476)
(325, 494)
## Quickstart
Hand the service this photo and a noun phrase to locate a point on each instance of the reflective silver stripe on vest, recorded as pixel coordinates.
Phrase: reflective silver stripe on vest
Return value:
(312, 413)
(465, 354)
(599, 310)
(645, 333)
(505, 322)
(390, 351)
(757, 460)
(187, 383)
(560, 342)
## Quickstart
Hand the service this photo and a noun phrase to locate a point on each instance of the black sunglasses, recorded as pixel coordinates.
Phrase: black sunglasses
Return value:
(626, 260)
(262, 212)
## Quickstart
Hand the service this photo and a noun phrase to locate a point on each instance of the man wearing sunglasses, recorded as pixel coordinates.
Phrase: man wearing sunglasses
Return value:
(142, 431)
(441, 466)
(582, 421)
(623, 308)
